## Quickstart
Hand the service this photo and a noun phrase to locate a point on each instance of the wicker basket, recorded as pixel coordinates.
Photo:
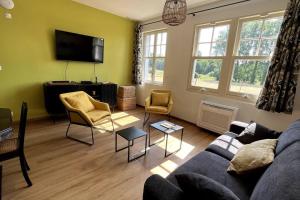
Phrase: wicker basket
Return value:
(127, 103)
(126, 91)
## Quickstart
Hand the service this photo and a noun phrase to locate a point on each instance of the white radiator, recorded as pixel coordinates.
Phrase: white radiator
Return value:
(216, 117)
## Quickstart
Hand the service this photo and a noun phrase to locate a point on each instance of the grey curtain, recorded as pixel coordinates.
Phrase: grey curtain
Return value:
(137, 56)
(279, 91)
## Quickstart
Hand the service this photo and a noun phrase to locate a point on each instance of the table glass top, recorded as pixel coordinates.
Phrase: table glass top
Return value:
(166, 126)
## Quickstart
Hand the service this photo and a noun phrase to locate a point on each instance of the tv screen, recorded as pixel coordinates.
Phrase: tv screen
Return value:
(76, 47)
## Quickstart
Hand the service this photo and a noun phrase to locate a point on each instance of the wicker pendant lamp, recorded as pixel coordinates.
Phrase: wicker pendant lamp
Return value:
(174, 12)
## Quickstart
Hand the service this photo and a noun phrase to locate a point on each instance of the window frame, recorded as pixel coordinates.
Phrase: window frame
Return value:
(144, 34)
(194, 57)
(235, 56)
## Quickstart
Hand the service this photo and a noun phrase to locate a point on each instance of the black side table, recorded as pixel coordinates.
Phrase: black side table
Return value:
(130, 134)
(166, 131)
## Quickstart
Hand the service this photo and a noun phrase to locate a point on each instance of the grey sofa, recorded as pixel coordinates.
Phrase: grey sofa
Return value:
(279, 181)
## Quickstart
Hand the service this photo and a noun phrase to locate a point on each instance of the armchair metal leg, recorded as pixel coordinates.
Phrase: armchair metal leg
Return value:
(169, 117)
(77, 140)
(146, 118)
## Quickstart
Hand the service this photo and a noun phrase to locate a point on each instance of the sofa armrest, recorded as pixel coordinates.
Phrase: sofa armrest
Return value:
(158, 188)
(237, 127)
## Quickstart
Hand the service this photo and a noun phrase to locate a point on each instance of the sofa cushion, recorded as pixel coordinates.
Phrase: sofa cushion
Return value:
(96, 115)
(159, 99)
(225, 145)
(237, 127)
(214, 167)
(288, 137)
(80, 101)
(281, 179)
(158, 188)
(197, 185)
(255, 131)
(253, 157)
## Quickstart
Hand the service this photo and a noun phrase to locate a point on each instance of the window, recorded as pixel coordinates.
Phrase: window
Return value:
(209, 53)
(154, 53)
(232, 58)
(256, 40)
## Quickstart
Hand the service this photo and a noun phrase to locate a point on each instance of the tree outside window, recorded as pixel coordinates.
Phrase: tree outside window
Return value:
(209, 53)
(257, 40)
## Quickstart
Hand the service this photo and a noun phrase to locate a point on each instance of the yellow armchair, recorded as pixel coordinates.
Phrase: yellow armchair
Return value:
(83, 110)
(159, 102)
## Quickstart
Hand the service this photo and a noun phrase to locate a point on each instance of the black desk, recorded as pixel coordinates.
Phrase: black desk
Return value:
(6, 131)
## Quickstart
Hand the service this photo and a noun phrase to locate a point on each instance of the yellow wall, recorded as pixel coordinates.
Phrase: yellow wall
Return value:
(27, 51)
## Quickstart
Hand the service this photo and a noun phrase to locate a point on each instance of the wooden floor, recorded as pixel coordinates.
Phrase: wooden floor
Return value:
(65, 169)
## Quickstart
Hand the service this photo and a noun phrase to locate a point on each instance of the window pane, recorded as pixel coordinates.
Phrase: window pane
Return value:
(205, 34)
(206, 73)
(272, 27)
(152, 38)
(248, 47)
(159, 70)
(158, 38)
(164, 38)
(251, 29)
(203, 49)
(221, 33)
(249, 76)
(149, 51)
(267, 47)
(163, 50)
(158, 51)
(148, 66)
(218, 49)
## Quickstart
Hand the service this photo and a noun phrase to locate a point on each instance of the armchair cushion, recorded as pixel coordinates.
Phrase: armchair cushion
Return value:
(157, 109)
(96, 115)
(160, 99)
(80, 101)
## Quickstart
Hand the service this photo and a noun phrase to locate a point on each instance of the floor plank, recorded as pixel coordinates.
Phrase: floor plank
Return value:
(64, 169)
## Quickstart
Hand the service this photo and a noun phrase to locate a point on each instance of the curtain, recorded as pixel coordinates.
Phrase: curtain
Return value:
(137, 56)
(279, 90)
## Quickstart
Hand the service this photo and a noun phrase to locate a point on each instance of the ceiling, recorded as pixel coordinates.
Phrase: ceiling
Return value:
(139, 10)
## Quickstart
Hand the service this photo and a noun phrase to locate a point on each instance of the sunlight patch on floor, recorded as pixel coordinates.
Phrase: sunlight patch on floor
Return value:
(164, 169)
(173, 145)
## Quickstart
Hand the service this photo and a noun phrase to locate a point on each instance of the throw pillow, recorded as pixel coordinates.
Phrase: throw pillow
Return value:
(160, 99)
(81, 102)
(255, 131)
(197, 186)
(252, 157)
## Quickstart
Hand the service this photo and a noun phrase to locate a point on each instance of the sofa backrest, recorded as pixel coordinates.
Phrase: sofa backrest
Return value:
(288, 137)
(281, 180)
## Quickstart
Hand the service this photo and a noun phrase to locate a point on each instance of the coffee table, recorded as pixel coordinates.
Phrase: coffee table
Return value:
(130, 134)
(166, 131)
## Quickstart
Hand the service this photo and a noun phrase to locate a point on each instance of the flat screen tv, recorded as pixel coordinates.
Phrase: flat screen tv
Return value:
(77, 47)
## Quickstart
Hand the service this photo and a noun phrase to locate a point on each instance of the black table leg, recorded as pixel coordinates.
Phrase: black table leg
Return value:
(132, 159)
(166, 150)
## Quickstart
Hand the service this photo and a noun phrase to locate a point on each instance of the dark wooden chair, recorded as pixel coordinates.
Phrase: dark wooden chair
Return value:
(14, 147)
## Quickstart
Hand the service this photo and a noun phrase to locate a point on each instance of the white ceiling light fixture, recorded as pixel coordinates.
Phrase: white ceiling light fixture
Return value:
(174, 12)
(7, 4)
